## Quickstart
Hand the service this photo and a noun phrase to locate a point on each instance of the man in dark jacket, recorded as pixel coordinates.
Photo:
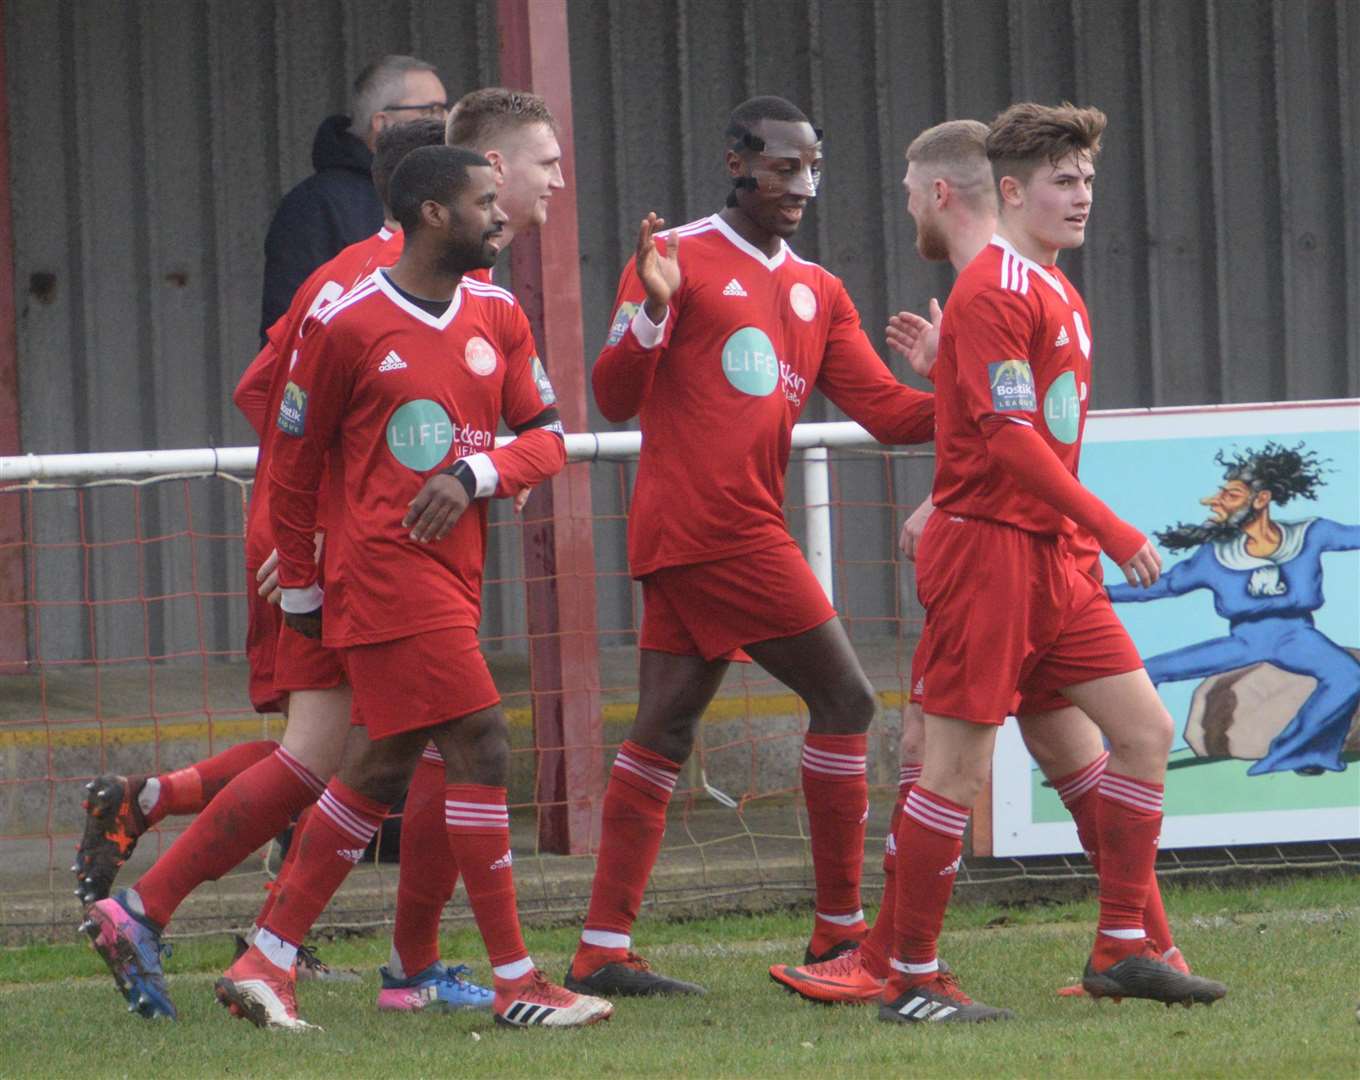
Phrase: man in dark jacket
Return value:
(336, 206)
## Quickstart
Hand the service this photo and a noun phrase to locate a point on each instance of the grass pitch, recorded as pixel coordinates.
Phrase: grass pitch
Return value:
(1289, 952)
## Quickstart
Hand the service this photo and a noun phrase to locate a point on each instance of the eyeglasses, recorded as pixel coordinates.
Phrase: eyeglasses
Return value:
(430, 108)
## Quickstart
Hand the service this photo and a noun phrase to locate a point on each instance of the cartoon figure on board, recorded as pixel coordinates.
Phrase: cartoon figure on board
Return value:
(1266, 577)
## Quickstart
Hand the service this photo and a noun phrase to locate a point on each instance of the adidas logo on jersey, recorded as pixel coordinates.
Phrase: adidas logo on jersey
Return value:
(351, 854)
(392, 362)
(1062, 338)
(920, 688)
(733, 288)
(503, 863)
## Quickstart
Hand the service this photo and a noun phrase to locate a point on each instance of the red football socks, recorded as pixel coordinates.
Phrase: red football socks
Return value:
(428, 870)
(929, 847)
(837, 796)
(478, 826)
(1129, 818)
(189, 790)
(331, 845)
(634, 821)
(246, 814)
(877, 946)
(289, 861)
(1080, 795)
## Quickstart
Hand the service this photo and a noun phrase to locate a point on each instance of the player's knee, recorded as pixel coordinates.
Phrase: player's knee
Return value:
(1147, 742)
(847, 711)
(913, 744)
(383, 780)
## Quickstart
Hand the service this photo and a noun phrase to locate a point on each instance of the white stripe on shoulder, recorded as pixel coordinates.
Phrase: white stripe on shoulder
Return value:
(693, 228)
(482, 288)
(367, 287)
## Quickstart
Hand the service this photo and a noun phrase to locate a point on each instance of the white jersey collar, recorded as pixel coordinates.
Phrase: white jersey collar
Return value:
(440, 322)
(769, 262)
(1033, 267)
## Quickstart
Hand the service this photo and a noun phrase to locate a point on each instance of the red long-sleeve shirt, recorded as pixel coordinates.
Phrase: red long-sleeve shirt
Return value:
(395, 394)
(719, 388)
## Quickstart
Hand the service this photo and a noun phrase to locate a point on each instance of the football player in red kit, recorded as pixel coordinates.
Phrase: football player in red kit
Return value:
(719, 336)
(404, 380)
(1008, 609)
(951, 197)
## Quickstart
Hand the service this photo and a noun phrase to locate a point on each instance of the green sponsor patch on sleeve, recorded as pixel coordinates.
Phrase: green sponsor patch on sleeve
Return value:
(623, 318)
(293, 410)
(1012, 386)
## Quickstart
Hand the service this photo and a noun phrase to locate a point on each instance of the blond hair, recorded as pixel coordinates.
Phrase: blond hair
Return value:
(956, 152)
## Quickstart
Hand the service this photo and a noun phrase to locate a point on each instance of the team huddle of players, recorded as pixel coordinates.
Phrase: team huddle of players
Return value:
(377, 399)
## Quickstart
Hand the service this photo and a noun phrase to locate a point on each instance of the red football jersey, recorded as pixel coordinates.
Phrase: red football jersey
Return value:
(261, 387)
(746, 339)
(397, 394)
(1015, 346)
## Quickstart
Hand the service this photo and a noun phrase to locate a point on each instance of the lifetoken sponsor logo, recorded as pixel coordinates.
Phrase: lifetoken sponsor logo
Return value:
(622, 318)
(1062, 408)
(1012, 384)
(481, 357)
(293, 410)
(795, 386)
(420, 435)
(749, 362)
(803, 301)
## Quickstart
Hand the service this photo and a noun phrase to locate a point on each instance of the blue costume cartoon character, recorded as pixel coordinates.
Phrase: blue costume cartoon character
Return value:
(1266, 577)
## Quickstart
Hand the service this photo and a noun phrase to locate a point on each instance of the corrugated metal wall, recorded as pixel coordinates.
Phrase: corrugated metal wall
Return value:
(151, 142)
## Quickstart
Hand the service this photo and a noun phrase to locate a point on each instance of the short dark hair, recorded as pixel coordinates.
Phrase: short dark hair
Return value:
(395, 142)
(742, 122)
(1027, 135)
(480, 118)
(430, 173)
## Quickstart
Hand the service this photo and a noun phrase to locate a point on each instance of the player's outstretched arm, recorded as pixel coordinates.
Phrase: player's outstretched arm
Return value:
(915, 339)
(1018, 451)
(862, 386)
(626, 367)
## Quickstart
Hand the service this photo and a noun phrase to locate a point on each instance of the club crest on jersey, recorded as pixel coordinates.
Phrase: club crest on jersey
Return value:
(480, 356)
(546, 393)
(750, 363)
(1012, 384)
(293, 410)
(622, 319)
(1062, 408)
(803, 301)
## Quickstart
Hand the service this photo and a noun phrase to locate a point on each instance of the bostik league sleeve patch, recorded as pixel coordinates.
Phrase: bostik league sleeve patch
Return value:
(546, 393)
(293, 410)
(1012, 385)
(623, 318)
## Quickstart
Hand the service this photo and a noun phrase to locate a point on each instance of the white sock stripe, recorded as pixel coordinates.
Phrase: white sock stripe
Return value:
(361, 827)
(837, 764)
(923, 802)
(927, 817)
(1131, 793)
(909, 774)
(496, 809)
(606, 939)
(662, 778)
(1083, 781)
(1132, 934)
(432, 755)
(915, 969)
(466, 819)
(516, 969)
(853, 919)
(300, 770)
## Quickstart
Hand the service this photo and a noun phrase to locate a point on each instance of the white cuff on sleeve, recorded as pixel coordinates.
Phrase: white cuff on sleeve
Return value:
(648, 333)
(302, 601)
(484, 469)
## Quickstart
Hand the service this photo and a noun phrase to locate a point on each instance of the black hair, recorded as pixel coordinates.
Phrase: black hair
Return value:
(1286, 472)
(395, 142)
(431, 173)
(747, 116)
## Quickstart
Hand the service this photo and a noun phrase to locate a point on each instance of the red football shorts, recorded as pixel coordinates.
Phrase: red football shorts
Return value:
(303, 663)
(1008, 611)
(419, 681)
(262, 634)
(711, 609)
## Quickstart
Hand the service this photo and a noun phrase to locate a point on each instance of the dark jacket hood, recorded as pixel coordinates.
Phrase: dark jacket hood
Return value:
(336, 148)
